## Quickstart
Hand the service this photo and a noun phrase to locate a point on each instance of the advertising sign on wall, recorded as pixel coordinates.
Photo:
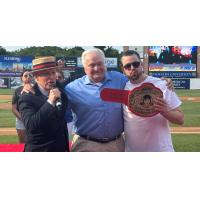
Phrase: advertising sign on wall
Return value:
(12, 66)
(173, 74)
(4, 83)
(68, 63)
(181, 83)
(109, 62)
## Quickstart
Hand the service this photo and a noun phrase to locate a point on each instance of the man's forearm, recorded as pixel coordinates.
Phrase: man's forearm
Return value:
(17, 114)
(174, 116)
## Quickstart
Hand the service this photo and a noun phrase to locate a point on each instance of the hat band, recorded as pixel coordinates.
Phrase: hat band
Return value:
(44, 66)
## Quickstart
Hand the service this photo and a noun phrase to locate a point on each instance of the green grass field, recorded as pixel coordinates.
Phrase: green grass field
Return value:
(189, 93)
(5, 101)
(7, 118)
(191, 111)
(8, 139)
(186, 142)
(6, 91)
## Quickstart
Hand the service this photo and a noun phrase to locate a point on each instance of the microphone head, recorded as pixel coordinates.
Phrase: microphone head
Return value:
(58, 104)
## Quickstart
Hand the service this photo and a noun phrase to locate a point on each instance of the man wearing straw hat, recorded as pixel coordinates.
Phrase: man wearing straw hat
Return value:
(43, 112)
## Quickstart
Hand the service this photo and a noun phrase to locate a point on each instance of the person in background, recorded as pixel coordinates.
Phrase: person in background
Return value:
(149, 133)
(26, 78)
(60, 76)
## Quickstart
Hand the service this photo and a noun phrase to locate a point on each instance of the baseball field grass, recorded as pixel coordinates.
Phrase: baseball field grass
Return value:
(8, 139)
(186, 142)
(6, 91)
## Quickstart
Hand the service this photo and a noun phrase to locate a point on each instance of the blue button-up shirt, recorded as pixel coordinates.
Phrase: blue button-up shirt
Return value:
(93, 116)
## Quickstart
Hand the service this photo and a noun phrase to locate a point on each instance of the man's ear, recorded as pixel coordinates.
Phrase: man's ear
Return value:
(122, 69)
(121, 66)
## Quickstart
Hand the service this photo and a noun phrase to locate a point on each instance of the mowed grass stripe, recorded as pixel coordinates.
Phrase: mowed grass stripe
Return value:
(186, 142)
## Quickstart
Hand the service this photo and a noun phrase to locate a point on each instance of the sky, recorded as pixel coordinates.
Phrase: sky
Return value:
(13, 48)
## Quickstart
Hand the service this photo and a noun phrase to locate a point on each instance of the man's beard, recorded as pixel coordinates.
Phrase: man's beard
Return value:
(136, 77)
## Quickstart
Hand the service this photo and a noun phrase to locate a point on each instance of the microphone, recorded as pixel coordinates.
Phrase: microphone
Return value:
(58, 102)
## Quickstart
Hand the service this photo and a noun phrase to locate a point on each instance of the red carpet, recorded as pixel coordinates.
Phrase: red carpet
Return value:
(14, 147)
(11, 147)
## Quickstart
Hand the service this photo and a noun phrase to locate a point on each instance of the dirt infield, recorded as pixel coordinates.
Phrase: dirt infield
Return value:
(6, 97)
(185, 130)
(8, 131)
(193, 99)
(6, 105)
(174, 130)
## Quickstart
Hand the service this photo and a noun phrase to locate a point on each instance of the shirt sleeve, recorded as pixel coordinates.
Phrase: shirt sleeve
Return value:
(172, 99)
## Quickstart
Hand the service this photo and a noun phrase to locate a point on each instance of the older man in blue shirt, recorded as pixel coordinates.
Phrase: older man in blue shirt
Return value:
(98, 124)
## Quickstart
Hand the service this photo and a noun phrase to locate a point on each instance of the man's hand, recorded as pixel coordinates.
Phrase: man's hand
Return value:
(160, 105)
(54, 94)
(170, 84)
(28, 88)
(175, 116)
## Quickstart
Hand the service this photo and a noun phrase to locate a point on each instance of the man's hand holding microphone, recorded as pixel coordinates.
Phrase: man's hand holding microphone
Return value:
(55, 97)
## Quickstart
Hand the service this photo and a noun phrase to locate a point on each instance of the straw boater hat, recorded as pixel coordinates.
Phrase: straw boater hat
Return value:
(44, 63)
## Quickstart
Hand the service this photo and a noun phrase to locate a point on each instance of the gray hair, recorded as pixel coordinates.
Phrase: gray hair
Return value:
(95, 50)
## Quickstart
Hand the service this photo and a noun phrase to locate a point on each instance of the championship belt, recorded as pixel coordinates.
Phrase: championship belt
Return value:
(140, 100)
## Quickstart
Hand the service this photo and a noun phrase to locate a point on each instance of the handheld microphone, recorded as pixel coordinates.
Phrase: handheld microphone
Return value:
(58, 102)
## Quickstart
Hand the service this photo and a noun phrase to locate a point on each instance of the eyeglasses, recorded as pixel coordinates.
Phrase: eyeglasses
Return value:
(134, 64)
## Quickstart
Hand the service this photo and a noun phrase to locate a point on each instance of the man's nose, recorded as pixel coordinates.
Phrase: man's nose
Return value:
(132, 67)
(96, 67)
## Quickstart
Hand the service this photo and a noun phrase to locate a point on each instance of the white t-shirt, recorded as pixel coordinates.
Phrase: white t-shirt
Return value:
(149, 133)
